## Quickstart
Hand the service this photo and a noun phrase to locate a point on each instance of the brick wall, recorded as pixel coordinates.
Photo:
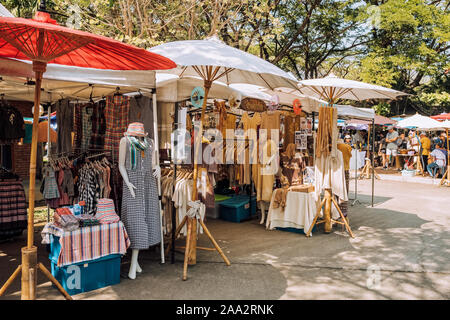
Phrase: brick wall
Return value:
(21, 153)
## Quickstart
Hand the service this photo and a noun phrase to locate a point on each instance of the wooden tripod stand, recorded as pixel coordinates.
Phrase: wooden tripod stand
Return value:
(367, 171)
(190, 255)
(445, 181)
(326, 204)
(29, 268)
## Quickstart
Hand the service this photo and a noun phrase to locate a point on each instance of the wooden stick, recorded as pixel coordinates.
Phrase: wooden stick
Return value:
(227, 262)
(188, 247)
(199, 248)
(327, 211)
(445, 177)
(177, 232)
(54, 281)
(315, 218)
(342, 216)
(10, 280)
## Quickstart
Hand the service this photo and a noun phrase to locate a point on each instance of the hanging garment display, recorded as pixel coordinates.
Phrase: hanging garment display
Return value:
(267, 169)
(289, 130)
(253, 125)
(12, 126)
(245, 145)
(141, 110)
(98, 126)
(293, 166)
(86, 120)
(13, 208)
(93, 184)
(140, 214)
(64, 118)
(116, 114)
(77, 125)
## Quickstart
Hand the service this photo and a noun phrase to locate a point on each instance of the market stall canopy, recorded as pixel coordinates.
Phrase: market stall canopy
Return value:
(443, 125)
(235, 66)
(69, 82)
(171, 88)
(420, 122)
(350, 112)
(334, 88)
(442, 116)
(378, 120)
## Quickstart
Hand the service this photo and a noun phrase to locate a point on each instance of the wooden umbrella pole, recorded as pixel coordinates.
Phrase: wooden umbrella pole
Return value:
(191, 246)
(39, 69)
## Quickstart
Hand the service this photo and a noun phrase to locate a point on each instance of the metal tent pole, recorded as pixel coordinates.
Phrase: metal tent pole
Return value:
(156, 143)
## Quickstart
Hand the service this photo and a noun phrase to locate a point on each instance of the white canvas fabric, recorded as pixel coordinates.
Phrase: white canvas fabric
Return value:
(346, 89)
(420, 122)
(245, 67)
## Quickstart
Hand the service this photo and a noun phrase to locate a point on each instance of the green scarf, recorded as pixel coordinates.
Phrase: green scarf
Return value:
(135, 144)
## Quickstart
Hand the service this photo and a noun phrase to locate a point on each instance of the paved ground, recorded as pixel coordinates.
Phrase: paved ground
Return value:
(405, 236)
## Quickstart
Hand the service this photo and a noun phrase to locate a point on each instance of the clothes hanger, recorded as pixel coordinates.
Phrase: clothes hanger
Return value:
(117, 93)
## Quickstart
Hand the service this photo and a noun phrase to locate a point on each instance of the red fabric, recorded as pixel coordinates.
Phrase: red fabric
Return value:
(61, 45)
(442, 116)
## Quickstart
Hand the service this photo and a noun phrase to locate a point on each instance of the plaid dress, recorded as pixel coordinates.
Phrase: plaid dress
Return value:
(98, 126)
(87, 126)
(116, 115)
(77, 125)
(140, 215)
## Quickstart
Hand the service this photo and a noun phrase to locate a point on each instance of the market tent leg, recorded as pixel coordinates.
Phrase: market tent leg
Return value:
(156, 143)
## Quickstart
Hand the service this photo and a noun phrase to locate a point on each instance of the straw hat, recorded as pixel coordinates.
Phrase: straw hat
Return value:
(136, 129)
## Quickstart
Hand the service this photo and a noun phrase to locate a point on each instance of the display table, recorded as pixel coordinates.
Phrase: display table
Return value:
(299, 211)
(85, 244)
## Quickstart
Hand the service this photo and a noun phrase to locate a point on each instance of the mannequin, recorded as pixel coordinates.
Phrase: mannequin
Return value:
(139, 174)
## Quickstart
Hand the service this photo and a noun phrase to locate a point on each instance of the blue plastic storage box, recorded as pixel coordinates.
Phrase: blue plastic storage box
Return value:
(85, 276)
(237, 209)
(295, 230)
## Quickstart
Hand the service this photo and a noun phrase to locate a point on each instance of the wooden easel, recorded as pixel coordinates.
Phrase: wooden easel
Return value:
(209, 74)
(367, 171)
(326, 204)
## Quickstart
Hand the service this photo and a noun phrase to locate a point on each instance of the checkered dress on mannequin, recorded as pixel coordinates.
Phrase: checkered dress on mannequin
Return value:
(140, 215)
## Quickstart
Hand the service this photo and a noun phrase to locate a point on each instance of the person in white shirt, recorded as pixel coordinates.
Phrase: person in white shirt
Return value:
(439, 161)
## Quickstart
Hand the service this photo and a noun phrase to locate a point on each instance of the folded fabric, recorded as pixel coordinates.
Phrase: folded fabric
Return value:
(86, 220)
(279, 200)
(64, 218)
(106, 212)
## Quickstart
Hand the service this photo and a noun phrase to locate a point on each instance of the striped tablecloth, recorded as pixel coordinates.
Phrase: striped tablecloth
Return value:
(88, 243)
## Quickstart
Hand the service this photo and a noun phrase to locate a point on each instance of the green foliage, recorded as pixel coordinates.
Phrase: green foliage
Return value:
(403, 44)
(382, 109)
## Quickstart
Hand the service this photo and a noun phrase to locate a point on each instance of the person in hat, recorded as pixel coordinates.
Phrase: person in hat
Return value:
(348, 139)
(140, 207)
(426, 147)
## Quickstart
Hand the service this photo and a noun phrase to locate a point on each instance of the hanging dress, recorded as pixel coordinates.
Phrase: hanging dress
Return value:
(140, 215)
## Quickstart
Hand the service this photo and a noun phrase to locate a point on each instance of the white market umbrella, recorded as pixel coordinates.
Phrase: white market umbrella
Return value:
(332, 88)
(420, 122)
(213, 60)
